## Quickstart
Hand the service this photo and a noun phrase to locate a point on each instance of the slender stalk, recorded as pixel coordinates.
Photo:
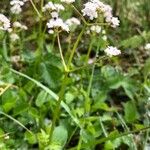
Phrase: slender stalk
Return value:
(5, 89)
(75, 46)
(89, 50)
(16, 121)
(36, 10)
(56, 113)
(79, 143)
(88, 102)
(61, 54)
(103, 128)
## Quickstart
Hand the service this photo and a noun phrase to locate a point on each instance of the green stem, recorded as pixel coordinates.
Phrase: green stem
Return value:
(36, 10)
(61, 54)
(57, 111)
(75, 46)
(103, 128)
(79, 143)
(89, 50)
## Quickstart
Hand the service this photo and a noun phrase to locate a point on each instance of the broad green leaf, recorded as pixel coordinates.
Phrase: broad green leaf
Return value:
(130, 111)
(60, 136)
(108, 145)
(9, 99)
(147, 68)
(31, 138)
(41, 98)
(50, 74)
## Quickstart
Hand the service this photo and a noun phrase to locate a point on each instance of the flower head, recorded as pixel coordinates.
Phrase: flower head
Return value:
(96, 28)
(4, 22)
(72, 21)
(68, 1)
(50, 6)
(114, 22)
(14, 37)
(57, 23)
(112, 51)
(19, 25)
(147, 46)
(16, 6)
(94, 8)
(90, 10)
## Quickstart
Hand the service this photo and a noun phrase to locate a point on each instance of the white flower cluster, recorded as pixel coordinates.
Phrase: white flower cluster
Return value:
(55, 22)
(112, 51)
(96, 28)
(53, 7)
(68, 1)
(17, 27)
(147, 46)
(16, 6)
(14, 37)
(93, 8)
(4, 22)
(72, 21)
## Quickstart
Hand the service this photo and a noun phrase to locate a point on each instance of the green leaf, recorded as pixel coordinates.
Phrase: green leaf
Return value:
(41, 98)
(108, 145)
(31, 138)
(9, 100)
(130, 111)
(50, 74)
(60, 136)
(147, 68)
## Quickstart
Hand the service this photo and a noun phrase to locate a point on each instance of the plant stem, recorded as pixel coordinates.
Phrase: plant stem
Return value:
(35, 9)
(56, 113)
(89, 50)
(61, 54)
(75, 46)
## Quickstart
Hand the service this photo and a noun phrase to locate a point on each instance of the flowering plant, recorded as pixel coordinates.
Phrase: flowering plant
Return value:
(61, 78)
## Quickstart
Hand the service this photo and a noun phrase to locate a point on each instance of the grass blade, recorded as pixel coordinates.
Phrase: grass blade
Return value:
(16, 121)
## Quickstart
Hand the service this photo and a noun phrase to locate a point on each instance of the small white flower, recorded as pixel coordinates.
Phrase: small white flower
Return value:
(94, 8)
(49, 6)
(73, 21)
(68, 1)
(19, 25)
(10, 30)
(14, 37)
(90, 10)
(114, 22)
(16, 2)
(54, 14)
(104, 37)
(112, 51)
(96, 28)
(16, 6)
(147, 46)
(57, 23)
(59, 7)
(51, 31)
(4, 22)
(16, 9)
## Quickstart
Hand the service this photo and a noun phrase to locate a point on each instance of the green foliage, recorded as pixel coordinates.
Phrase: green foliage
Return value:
(98, 102)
